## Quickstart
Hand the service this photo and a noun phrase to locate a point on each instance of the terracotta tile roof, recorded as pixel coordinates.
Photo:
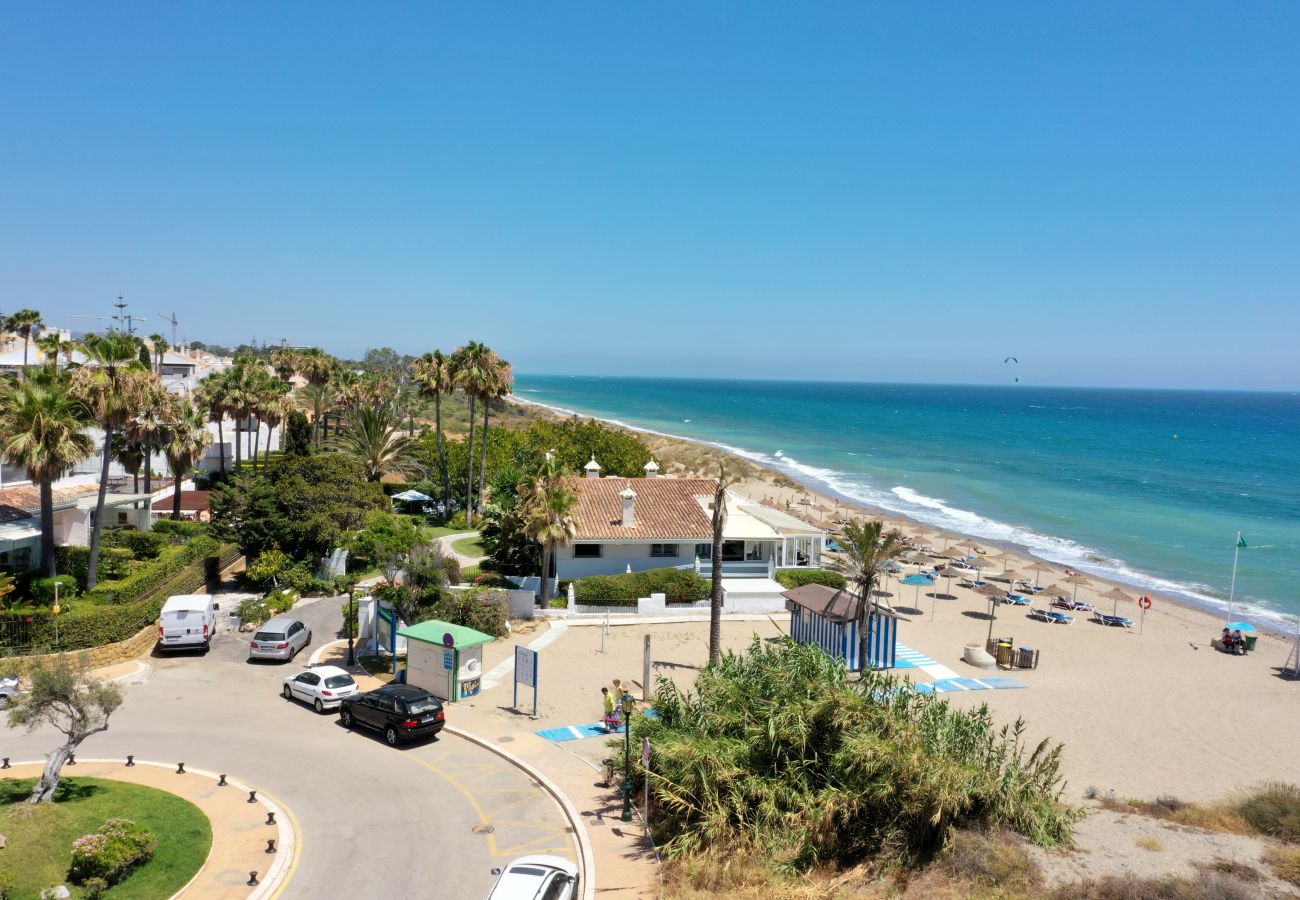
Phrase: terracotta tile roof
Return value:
(28, 496)
(191, 501)
(666, 508)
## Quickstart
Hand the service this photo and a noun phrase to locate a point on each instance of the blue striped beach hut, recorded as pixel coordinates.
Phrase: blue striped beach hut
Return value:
(828, 618)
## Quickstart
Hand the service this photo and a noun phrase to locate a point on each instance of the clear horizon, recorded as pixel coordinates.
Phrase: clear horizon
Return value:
(1108, 194)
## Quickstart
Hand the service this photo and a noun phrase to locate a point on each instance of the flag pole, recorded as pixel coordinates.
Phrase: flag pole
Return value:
(1232, 587)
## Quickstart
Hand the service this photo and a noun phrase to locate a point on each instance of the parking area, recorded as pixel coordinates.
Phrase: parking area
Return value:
(430, 818)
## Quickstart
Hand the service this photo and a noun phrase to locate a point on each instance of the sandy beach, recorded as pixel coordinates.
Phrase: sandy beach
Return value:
(1141, 713)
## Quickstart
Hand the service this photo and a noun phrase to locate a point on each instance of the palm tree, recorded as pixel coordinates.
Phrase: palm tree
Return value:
(715, 571)
(190, 440)
(131, 457)
(499, 383)
(373, 435)
(150, 428)
(473, 367)
(242, 387)
(111, 386)
(868, 548)
(435, 374)
(274, 411)
(210, 395)
(160, 348)
(317, 400)
(53, 345)
(317, 366)
(287, 363)
(42, 429)
(267, 393)
(24, 322)
(548, 516)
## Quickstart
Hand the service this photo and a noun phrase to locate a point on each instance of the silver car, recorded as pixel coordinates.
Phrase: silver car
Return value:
(281, 638)
(8, 689)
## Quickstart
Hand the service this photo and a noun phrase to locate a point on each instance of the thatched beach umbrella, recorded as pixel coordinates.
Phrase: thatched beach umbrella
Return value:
(1117, 595)
(1076, 579)
(1040, 568)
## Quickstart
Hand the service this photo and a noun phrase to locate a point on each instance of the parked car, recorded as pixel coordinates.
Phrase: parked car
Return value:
(280, 638)
(8, 689)
(324, 687)
(400, 712)
(537, 878)
(187, 622)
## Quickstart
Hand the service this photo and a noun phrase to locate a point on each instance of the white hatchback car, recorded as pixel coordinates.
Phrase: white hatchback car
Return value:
(324, 687)
(537, 878)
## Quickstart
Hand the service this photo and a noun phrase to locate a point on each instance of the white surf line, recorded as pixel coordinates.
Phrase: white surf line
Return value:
(503, 669)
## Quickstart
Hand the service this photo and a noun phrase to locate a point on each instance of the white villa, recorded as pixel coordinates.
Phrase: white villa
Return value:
(634, 524)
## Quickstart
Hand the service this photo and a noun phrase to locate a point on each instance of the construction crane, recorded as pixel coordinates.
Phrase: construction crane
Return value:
(175, 322)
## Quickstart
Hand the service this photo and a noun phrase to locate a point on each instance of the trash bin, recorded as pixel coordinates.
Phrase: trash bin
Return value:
(1250, 642)
(608, 765)
(1005, 652)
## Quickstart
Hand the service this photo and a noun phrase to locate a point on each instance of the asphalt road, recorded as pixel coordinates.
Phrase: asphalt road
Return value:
(374, 821)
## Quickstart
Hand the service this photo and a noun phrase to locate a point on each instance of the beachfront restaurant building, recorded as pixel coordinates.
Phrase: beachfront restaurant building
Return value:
(657, 522)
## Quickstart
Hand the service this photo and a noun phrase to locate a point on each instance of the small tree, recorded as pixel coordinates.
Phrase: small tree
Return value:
(269, 566)
(868, 548)
(69, 698)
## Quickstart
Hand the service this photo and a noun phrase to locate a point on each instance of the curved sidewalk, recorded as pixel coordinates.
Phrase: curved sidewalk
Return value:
(239, 829)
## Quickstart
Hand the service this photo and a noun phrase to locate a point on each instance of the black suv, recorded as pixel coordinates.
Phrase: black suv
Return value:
(401, 711)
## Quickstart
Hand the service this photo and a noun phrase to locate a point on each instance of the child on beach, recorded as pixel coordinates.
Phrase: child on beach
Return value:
(609, 719)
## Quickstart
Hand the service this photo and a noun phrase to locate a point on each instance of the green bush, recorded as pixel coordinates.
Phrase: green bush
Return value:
(257, 610)
(302, 578)
(107, 855)
(178, 528)
(42, 590)
(793, 578)
(138, 583)
(142, 544)
(1274, 809)
(482, 609)
(114, 562)
(677, 585)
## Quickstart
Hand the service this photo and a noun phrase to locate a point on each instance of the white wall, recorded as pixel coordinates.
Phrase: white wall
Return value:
(615, 558)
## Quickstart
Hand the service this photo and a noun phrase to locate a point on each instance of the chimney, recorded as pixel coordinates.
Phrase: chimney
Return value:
(592, 468)
(652, 469)
(629, 507)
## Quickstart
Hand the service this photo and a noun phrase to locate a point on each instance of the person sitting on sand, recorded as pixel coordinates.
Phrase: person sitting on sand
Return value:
(1239, 642)
(1226, 640)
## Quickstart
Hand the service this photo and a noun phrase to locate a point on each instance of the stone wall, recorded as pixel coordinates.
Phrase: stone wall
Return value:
(96, 657)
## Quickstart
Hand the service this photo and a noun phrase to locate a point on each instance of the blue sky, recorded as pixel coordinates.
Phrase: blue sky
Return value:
(1108, 191)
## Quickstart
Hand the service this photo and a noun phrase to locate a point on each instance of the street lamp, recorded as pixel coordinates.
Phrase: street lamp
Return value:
(629, 706)
(352, 657)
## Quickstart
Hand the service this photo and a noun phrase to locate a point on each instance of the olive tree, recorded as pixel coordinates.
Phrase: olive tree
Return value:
(71, 700)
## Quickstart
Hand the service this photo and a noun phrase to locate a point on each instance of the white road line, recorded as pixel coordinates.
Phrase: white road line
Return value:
(503, 669)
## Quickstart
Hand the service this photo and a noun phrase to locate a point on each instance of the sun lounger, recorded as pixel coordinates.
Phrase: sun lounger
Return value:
(1062, 603)
(1017, 599)
(1117, 621)
(1046, 615)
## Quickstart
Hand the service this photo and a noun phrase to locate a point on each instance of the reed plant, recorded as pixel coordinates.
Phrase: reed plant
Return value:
(778, 753)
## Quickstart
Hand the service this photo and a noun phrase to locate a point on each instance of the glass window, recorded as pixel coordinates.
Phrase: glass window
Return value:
(704, 551)
(586, 551)
(338, 681)
(309, 678)
(733, 550)
(754, 551)
(663, 549)
(267, 636)
(422, 705)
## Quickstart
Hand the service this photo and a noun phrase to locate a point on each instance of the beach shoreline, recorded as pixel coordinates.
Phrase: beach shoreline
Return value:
(791, 492)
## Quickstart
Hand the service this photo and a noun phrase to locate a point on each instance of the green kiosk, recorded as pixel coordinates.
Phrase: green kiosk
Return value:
(445, 659)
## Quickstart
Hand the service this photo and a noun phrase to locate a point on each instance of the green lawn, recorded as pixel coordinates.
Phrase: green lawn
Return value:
(439, 531)
(40, 838)
(468, 546)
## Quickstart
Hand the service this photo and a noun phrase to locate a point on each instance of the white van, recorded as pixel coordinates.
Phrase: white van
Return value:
(187, 622)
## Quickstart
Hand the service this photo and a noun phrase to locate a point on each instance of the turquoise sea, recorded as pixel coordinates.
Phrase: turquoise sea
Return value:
(1144, 487)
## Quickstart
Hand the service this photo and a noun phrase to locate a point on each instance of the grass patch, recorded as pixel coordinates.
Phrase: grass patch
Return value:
(469, 546)
(433, 532)
(1147, 842)
(1208, 818)
(40, 838)
(1206, 886)
(1273, 809)
(710, 877)
(1231, 868)
(1285, 863)
(469, 573)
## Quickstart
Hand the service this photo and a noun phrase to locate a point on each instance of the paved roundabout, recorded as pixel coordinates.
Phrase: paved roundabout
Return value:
(427, 819)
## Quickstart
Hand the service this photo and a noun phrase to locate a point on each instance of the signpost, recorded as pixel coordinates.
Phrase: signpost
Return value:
(645, 778)
(645, 672)
(526, 674)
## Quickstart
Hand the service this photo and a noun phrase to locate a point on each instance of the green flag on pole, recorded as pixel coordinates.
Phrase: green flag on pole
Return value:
(1241, 541)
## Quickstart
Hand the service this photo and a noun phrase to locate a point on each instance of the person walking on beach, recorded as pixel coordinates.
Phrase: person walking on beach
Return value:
(608, 700)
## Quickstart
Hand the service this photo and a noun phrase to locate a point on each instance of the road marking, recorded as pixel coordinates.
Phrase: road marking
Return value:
(501, 670)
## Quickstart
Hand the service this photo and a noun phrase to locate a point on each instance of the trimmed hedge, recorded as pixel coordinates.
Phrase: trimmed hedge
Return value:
(793, 578)
(180, 528)
(137, 584)
(678, 585)
(93, 626)
(142, 544)
(114, 562)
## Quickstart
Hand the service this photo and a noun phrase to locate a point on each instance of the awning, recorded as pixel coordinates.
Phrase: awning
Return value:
(12, 534)
(412, 497)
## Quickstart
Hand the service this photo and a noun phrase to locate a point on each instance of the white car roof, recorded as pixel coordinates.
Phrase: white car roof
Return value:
(515, 885)
(187, 602)
(326, 671)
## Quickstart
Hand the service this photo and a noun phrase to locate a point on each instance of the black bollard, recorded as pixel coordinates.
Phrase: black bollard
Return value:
(270, 846)
(252, 796)
(130, 761)
(270, 818)
(180, 769)
(6, 763)
(72, 759)
(222, 781)
(252, 879)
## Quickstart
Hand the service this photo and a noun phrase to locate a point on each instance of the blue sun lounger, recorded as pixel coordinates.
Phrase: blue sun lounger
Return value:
(1016, 599)
(1047, 615)
(1117, 621)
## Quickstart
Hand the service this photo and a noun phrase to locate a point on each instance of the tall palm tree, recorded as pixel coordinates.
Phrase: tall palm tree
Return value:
(242, 387)
(473, 364)
(719, 518)
(111, 385)
(160, 348)
(150, 427)
(131, 457)
(548, 516)
(211, 396)
(868, 548)
(190, 440)
(317, 366)
(373, 435)
(500, 383)
(287, 362)
(317, 400)
(54, 345)
(42, 429)
(436, 377)
(24, 322)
